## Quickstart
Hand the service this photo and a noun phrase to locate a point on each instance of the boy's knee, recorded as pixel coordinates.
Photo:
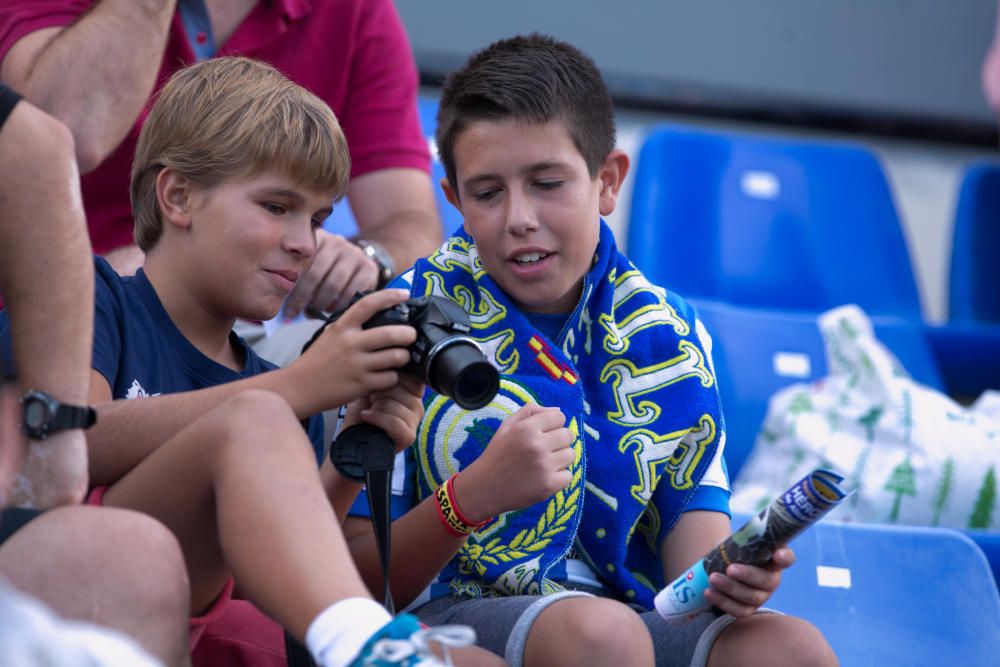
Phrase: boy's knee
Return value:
(804, 639)
(595, 631)
(773, 640)
(254, 411)
(257, 406)
(256, 422)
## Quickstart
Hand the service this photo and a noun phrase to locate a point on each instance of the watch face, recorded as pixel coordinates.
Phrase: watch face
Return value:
(36, 414)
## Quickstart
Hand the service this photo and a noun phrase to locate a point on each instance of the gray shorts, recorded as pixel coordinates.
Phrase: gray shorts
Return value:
(502, 625)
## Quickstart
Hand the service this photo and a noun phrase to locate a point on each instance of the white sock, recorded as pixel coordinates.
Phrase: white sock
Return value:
(335, 637)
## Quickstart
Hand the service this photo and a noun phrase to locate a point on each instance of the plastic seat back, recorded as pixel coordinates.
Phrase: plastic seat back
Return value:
(974, 284)
(892, 595)
(769, 222)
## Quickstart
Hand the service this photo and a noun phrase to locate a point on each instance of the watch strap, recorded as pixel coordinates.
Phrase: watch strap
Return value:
(73, 416)
(382, 259)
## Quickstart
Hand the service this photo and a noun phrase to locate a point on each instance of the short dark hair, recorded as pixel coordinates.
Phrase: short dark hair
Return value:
(534, 78)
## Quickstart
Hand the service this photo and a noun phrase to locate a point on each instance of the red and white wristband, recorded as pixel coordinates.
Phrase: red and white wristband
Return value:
(451, 516)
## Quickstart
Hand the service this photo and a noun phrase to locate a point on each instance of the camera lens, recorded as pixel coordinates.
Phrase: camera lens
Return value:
(460, 371)
(476, 385)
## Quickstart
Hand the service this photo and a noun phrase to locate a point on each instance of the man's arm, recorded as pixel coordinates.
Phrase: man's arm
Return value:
(47, 277)
(407, 223)
(96, 74)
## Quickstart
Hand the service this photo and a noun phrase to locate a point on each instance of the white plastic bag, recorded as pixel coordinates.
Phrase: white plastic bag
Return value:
(912, 454)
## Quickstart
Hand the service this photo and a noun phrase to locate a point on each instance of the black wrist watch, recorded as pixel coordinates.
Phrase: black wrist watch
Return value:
(42, 415)
(382, 259)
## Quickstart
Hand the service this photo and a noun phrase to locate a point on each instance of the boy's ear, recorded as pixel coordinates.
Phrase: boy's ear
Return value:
(611, 174)
(174, 197)
(450, 194)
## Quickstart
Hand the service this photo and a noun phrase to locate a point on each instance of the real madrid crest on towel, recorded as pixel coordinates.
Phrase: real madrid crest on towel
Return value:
(630, 374)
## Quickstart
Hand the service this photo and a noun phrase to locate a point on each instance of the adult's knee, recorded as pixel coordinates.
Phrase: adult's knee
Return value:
(590, 631)
(83, 561)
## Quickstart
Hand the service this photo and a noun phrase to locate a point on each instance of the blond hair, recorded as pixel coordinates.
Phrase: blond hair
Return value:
(234, 117)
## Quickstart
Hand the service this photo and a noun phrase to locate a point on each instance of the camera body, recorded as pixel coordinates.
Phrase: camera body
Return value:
(444, 355)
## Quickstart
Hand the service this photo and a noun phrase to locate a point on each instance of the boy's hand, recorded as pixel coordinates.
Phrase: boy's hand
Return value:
(347, 362)
(745, 588)
(397, 411)
(527, 461)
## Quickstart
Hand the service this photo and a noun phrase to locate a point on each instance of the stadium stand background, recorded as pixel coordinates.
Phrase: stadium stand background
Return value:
(900, 77)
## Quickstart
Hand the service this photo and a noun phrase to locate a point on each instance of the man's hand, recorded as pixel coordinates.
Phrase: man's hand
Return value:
(745, 588)
(338, 271)
(54, 472)
(527, 461)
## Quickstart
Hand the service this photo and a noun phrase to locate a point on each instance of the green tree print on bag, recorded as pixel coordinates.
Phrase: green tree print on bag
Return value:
(982, 513)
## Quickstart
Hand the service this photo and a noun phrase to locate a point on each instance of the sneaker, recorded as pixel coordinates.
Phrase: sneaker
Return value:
(402, 642)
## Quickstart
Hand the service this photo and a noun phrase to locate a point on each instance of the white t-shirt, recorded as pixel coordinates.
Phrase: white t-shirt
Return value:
(31, 635)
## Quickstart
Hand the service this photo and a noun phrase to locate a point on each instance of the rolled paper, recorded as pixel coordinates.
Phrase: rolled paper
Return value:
(779, 523)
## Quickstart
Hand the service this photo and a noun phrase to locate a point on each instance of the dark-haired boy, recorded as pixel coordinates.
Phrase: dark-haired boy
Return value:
(546, 528)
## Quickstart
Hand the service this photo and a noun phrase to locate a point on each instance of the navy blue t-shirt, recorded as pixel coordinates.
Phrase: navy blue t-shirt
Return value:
(140, 352)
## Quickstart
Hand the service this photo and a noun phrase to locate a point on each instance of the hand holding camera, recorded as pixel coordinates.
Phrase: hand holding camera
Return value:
(346, 361)
(442, 355)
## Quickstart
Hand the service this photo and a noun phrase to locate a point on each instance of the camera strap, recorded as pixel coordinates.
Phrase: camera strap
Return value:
(379, 486)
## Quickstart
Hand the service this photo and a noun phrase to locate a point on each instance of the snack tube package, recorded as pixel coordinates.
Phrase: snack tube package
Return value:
(778, 524)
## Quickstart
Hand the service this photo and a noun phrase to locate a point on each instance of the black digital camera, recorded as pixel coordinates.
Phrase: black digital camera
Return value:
(444, 355)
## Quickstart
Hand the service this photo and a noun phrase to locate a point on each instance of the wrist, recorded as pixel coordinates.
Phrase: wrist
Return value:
(474, 506)
(384, 263)
(452, 519)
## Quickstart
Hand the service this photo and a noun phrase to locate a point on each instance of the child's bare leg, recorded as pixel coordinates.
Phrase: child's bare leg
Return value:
(772, 640)
(240, 490)
(108, 566)
(588, 631)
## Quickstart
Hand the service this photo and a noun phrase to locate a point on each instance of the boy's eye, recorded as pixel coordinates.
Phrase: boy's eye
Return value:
(316, 223)
(485, 195)
(548, 185)
(274, 209)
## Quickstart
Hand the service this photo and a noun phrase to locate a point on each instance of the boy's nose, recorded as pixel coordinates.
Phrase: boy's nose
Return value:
(300, 240)
(521, 216)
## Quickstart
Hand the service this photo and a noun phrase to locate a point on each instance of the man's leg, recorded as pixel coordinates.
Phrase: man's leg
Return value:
(111, 567)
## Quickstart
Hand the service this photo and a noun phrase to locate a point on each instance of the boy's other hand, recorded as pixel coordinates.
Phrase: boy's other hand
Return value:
(397, 411)
(338, 271)
(745, 588)
(347, 362)
(527, 461)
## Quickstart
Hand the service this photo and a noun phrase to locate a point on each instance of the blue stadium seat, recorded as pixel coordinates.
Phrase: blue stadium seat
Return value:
(769, 222)
(756, 352)
(975, 253)
(341, 221)
(892, 595)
